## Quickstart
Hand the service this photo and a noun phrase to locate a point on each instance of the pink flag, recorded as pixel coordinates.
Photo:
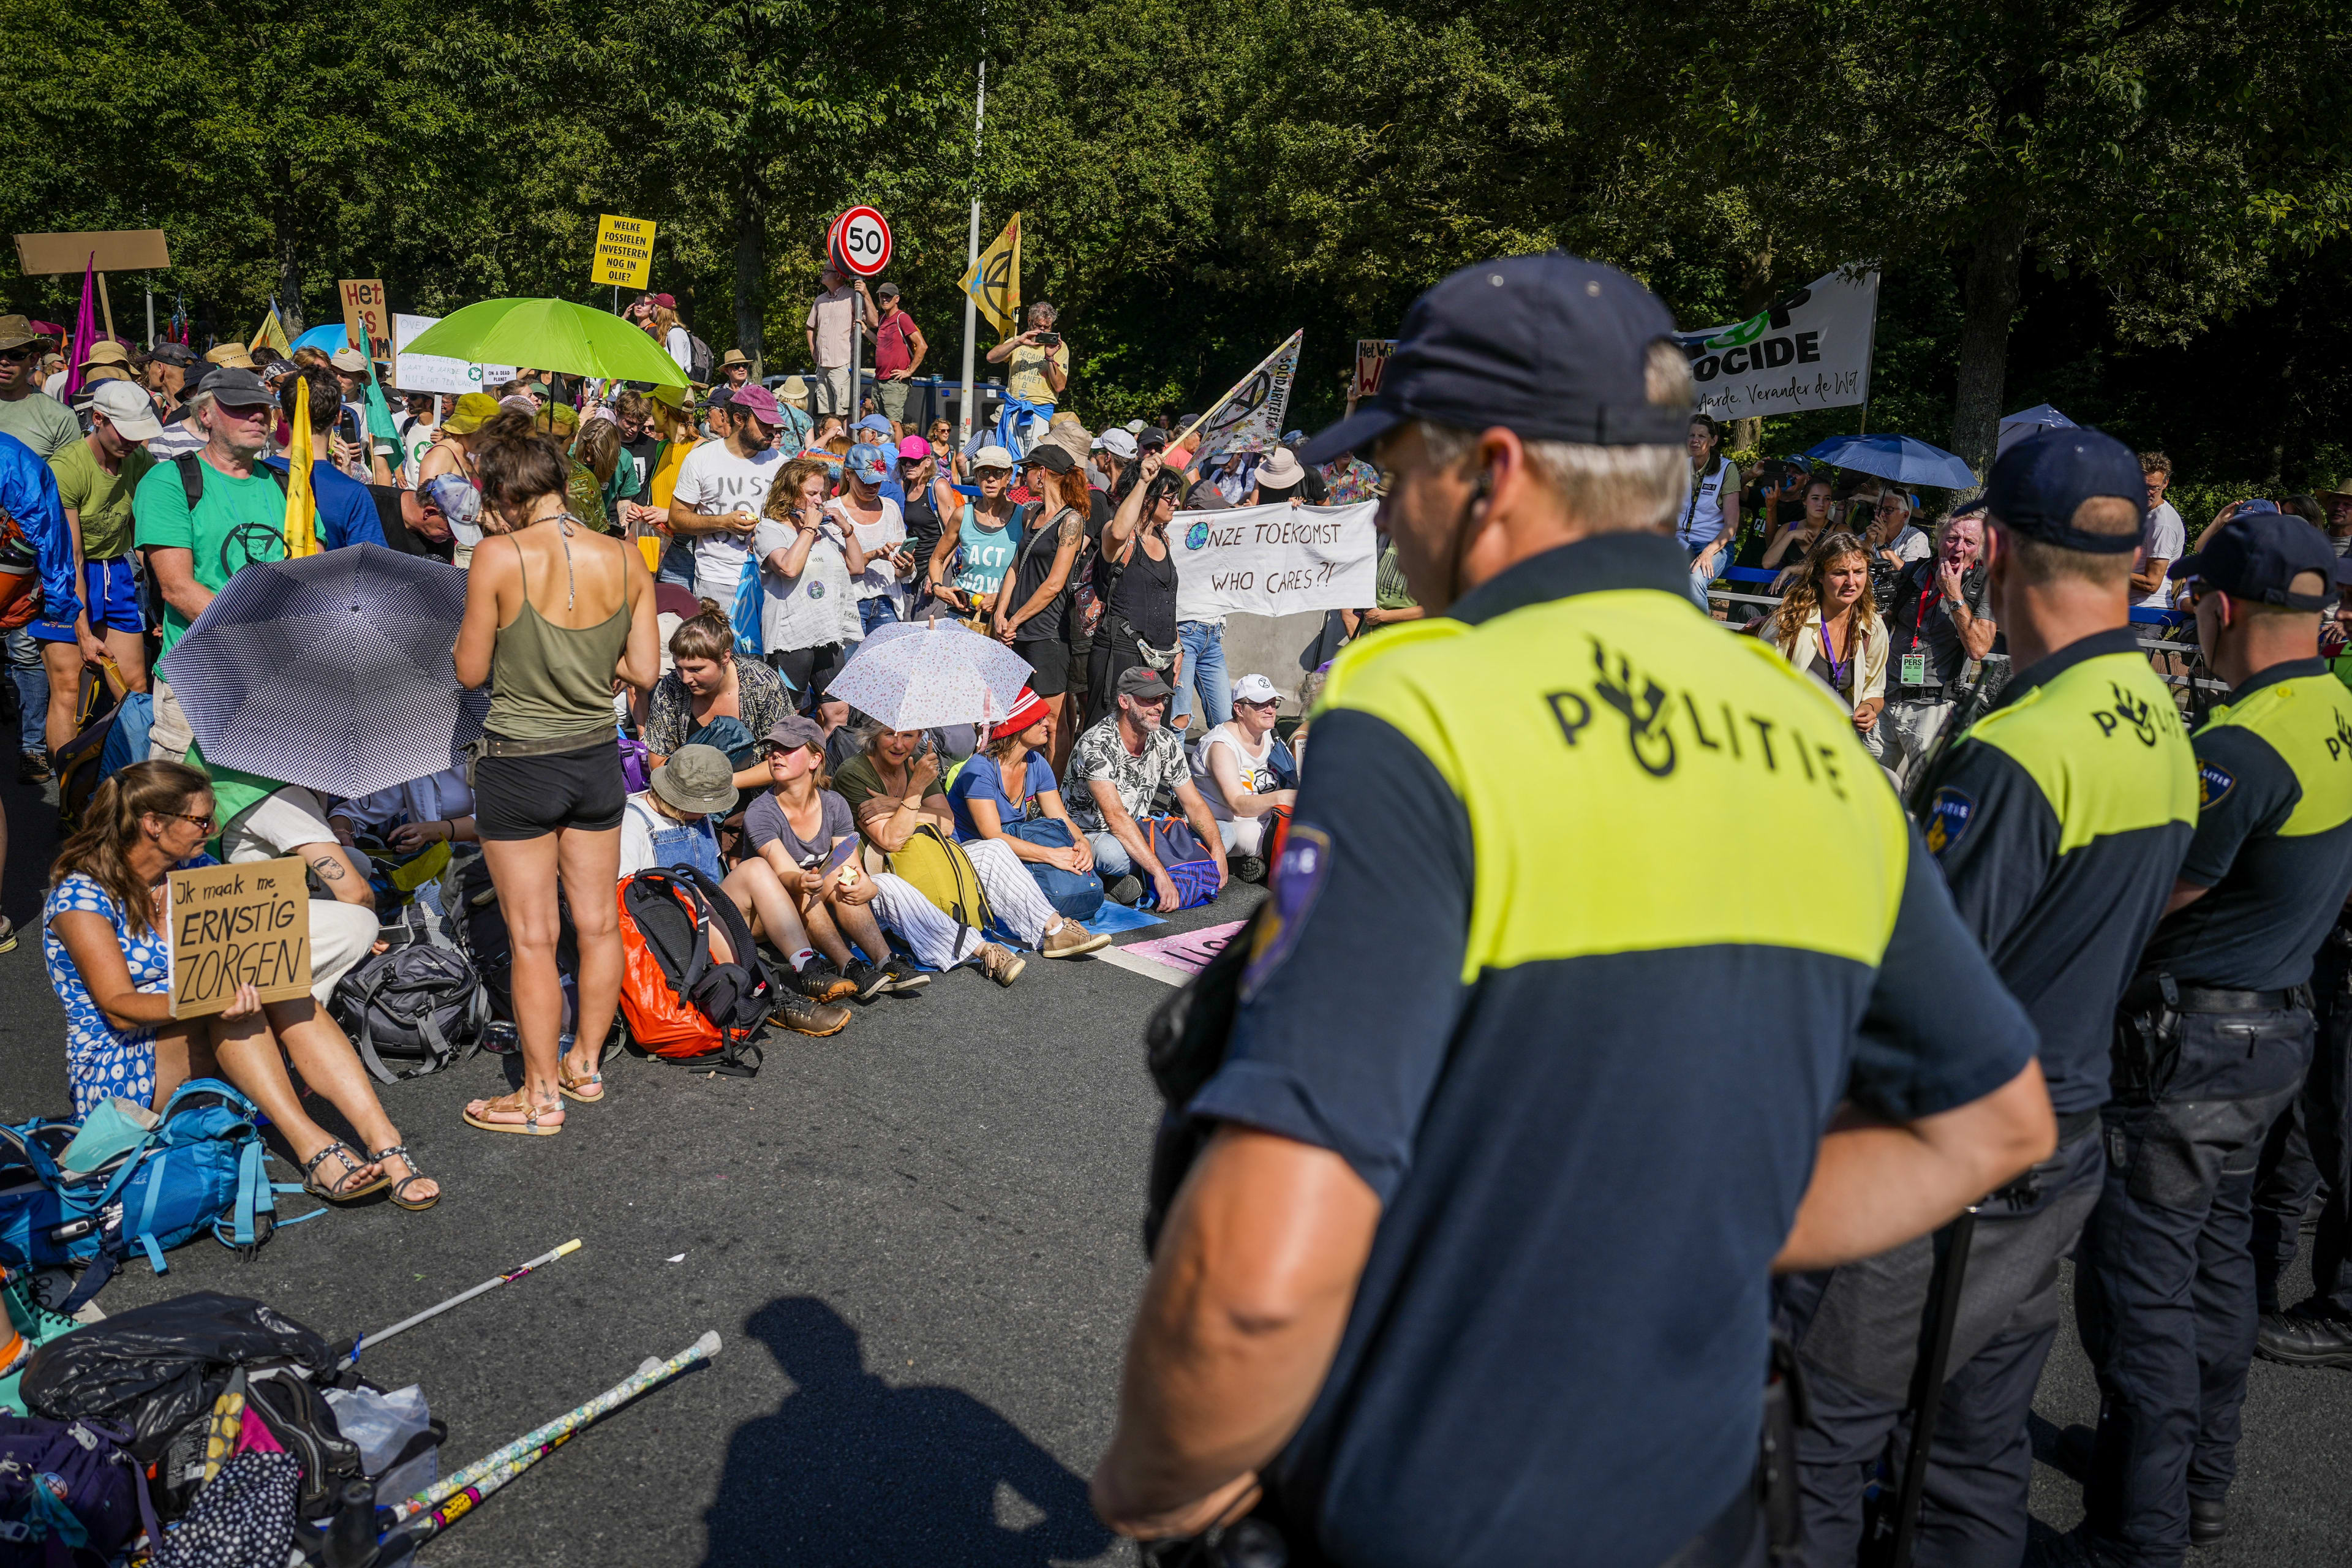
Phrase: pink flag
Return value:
(85, 332)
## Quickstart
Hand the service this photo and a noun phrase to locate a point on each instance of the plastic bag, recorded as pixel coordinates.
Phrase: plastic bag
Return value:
(155, 1369)
(387, 1428)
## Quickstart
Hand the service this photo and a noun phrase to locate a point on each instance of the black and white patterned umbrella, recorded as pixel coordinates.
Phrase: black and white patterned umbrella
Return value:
(333, 670)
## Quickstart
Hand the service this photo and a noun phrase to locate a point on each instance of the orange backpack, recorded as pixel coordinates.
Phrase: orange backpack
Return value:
(679, 1003)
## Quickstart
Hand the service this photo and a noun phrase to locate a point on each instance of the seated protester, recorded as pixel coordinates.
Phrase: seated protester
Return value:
(807, 832)
(669, 824)
(111, 963)
(714, 697)
(347, 512)
(1010, 783)
(892, 786)
(1244, 775)
(1828, 626)
(435, 809)
(1116, 769)
(808, 564)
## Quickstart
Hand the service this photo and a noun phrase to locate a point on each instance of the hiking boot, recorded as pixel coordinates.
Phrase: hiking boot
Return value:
(32, 767)
(904, 978)
(867, 982)
(1126, 891)
(1000, 964)
(802, 1017)
(1249, 868)
(1070, 939)
(821, 981)
(2304, 1336)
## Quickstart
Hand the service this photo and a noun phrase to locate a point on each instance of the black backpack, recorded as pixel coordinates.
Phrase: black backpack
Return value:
(415, 1002)
(698, 356)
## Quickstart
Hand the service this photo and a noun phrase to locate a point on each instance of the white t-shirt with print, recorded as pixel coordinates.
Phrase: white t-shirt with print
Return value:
(877, 581)
(817, 607)
(714, 480)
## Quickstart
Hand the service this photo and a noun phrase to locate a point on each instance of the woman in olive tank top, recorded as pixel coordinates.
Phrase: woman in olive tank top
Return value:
(557, 618)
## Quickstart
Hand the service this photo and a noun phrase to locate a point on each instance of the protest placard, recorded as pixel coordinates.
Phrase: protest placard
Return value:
(230, 924)
(437, 373)
(1811, 350)
(1273, 560)
(367, 325)
(624, 251)
(1372, 358)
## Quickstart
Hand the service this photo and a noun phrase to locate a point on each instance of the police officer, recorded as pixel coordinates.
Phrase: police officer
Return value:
(2060, 818)
(1520, 1111)
(2211, 1044)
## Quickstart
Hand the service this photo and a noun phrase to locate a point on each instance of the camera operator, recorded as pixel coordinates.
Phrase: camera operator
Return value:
(1039, 363)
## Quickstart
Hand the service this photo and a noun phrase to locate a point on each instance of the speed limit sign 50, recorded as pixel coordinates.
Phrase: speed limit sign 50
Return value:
(860, 241)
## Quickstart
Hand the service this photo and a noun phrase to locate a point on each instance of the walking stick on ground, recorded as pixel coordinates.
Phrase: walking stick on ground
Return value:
(1927, 1389)
(508, 1278)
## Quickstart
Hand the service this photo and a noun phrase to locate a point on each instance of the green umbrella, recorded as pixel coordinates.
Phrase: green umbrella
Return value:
(550, 335)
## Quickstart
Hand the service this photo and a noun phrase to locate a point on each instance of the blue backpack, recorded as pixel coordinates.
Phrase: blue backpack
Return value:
(199, 1168)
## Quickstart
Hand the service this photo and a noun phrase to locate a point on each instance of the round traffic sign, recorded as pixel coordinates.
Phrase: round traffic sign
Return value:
(862, 240)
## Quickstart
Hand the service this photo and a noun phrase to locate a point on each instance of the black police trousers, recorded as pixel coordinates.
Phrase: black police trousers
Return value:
(2309, 1152)
(2164, 1280)
(1858, 1330)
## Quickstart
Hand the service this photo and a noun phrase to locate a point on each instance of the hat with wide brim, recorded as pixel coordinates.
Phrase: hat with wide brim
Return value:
(697, 780)
(1281, 470)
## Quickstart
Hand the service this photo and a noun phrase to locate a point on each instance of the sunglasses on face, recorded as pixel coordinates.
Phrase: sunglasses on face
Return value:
(15, 356)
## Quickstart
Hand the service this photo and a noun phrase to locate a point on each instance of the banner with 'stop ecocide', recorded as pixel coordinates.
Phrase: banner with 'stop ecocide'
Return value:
(1274, 560)
(1811, 350)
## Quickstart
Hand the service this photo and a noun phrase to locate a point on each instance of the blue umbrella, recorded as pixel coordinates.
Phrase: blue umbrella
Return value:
(1897, 458)
(333, 671)
(326, 339)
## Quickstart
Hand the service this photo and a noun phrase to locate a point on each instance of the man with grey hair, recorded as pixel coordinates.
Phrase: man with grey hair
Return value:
(1939, 619)
(1500, 1032)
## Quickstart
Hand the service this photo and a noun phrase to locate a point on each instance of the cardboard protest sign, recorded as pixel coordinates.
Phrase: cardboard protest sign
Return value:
(439, 373)
(624, 251)
(1372, 358)
(367, 325)
(230, 924)
(1809, 351)
(1273, 560)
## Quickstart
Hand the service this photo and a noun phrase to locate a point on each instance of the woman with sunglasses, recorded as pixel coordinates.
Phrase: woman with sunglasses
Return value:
(109, 958)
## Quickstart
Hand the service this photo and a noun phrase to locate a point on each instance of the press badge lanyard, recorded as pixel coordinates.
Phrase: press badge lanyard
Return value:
(1914, 663)
(1837, 670)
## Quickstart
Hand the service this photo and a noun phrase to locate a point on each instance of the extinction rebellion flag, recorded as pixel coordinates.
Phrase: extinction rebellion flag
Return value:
(1249, 417)
(1811, 350)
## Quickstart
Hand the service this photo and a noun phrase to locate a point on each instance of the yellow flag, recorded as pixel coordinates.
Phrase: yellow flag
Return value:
(301, 510)
(272, 335)
(993, 279)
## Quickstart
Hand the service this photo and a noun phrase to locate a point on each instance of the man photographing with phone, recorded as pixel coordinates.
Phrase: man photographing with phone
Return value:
(1039, 363)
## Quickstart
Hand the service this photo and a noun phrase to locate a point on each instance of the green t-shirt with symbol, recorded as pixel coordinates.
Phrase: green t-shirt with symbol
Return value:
(235, 521)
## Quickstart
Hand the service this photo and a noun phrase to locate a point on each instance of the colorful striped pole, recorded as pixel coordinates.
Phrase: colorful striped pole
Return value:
(446, 1502)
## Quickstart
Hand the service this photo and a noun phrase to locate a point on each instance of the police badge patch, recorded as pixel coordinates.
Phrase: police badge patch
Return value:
(1297, 878)
(2214, 784)
(1947, 818)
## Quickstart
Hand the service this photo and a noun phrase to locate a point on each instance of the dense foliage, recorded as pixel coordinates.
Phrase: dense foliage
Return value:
(2133, 208)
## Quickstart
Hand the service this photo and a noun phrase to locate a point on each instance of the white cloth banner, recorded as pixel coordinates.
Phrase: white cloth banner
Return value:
(1249, 417)
(437, 373)
(1809, 351)
(1273, 560)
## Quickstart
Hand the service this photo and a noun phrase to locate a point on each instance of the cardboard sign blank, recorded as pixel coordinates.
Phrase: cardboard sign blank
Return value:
(119, 250)
(233, 923)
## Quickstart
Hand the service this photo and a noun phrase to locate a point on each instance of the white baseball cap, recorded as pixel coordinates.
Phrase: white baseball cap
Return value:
(128, 409)
(1117, 442)
(1256, 689)
(992, 458)
(348, 359)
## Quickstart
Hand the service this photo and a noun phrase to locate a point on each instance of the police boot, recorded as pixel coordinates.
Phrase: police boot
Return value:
(2304, 1336)
(2209, 1520)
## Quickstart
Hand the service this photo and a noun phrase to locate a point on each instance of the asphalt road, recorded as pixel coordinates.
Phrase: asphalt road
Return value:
(919, 1241)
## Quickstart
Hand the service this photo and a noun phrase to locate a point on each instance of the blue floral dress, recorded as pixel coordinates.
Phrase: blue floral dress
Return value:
(101, 1059)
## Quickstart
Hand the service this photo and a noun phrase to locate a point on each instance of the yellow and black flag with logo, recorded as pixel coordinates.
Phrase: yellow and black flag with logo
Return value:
(993, 281)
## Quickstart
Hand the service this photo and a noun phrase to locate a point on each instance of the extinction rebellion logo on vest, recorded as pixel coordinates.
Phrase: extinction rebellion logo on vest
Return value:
(1653, 715)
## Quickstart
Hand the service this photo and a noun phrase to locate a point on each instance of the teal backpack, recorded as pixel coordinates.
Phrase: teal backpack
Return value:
(198, 1168)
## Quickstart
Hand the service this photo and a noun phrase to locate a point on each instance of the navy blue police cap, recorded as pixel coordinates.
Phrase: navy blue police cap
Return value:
(2037, 484)
(1552, 347)
(2257, 556)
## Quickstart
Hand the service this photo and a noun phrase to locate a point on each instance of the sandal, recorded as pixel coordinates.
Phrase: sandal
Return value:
(414, 1174)
(588, 1090)
(515, 1113)
(340, 1194)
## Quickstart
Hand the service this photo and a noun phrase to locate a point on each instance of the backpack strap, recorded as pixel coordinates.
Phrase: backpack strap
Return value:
(666, 884)
(192, 478)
